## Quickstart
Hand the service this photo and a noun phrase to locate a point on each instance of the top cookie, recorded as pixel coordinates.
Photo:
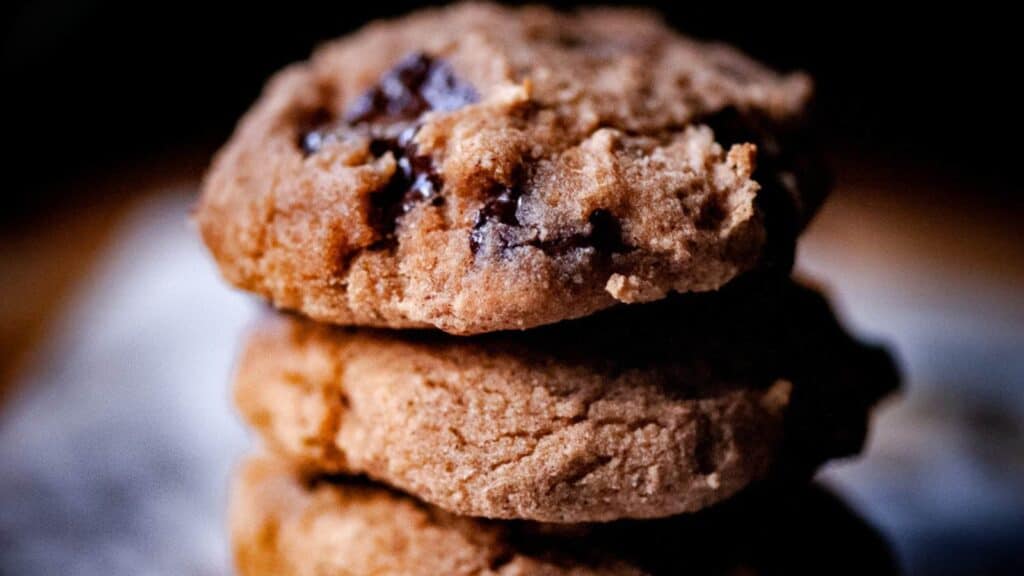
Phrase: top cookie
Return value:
(480, 168)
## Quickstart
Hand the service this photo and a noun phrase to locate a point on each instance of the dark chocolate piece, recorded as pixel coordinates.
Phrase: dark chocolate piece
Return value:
(417, 84)
(387, 114)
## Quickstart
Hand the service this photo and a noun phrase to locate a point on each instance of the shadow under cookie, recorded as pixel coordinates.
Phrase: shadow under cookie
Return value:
(283, 522)
(644, 412)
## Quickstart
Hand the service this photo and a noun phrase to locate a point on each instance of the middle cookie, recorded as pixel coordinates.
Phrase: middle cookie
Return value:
(641, 412)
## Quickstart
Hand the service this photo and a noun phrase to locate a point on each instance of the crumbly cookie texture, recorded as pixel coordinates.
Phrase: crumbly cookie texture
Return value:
(478, 168)
(284, 523)
(639, 413)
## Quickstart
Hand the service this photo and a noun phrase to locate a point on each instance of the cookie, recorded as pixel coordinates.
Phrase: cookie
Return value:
(284, 523)
(643, 412)
(479, 168)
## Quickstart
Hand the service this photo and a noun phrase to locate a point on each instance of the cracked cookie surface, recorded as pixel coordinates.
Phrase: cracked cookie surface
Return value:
(646, 412)
(286, 523)
(480, 168)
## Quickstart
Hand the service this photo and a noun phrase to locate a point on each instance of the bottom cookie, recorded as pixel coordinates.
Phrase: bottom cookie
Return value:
(284, 523)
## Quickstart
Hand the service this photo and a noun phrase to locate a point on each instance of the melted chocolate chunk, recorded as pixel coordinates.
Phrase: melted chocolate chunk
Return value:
(606, 232)
(415, 180)
(500, 207)
(387, 114)
(604, 236)
(417, 84)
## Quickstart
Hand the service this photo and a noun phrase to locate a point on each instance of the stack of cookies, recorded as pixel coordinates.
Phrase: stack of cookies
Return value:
(539, 314)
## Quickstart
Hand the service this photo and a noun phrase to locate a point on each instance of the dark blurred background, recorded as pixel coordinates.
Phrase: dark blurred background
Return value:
(90, 86)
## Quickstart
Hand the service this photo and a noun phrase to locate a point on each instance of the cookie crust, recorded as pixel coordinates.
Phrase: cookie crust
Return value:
(479, 168)
(666, 409)
(284, 523)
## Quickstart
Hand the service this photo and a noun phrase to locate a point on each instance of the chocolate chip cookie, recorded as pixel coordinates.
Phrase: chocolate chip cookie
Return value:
(286, 523)
(478, 168)
(642, 412)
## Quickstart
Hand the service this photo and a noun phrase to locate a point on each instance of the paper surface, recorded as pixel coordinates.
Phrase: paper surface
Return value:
(117, 453)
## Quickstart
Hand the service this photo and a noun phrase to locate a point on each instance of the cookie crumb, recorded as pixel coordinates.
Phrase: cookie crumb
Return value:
(632, 289)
